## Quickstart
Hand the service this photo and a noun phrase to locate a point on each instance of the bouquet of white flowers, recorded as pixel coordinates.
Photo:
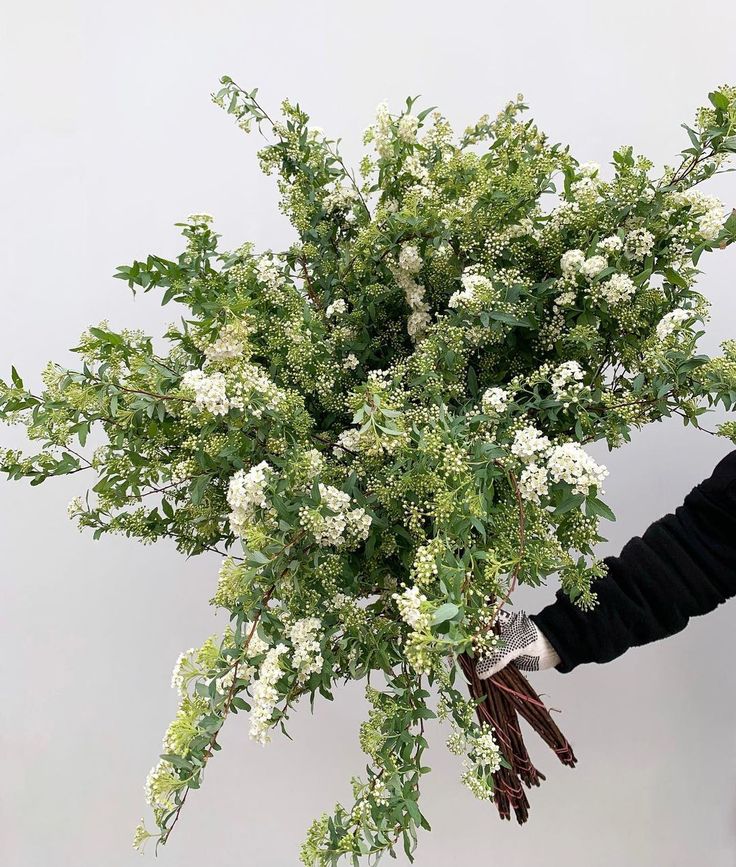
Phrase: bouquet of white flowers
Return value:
(381, 429)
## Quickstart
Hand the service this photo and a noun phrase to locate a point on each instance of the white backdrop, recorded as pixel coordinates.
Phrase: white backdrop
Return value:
(108, 137)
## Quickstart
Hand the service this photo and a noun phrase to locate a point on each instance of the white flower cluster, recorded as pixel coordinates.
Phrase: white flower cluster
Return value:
(571, 262)
(307, 658)
(337, 307)
(617, 289)
(707, 209)
(347, 442)
(495, 400)
(485, 749)
(409, 259)
(471, 283)
(407, 128)
(256, 645)
(380, 132)
(410, 263)
(593, 266)
(570, 463)
(589, 169)
(414, 167)
(340, 198)
(566, 380)
(179, 674)
(210, 390)
(533, 482)
(412, 608)
(350, 362)
(545, 463)
(265, 695)
(245, 494)
(610, 245)
(639, 243)
(228, 344)
(160, 783)
(247, 384)
(482, 758)
(315, 462)
(671, 321)
(268, 274)
(253, 384)
(575, 262)
(341, 525)
(529, 442)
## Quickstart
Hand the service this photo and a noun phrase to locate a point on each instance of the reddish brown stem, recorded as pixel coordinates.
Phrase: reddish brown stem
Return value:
(500, 700)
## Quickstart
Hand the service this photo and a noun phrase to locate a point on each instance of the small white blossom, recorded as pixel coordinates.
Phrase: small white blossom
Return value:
(228, 344)
(570, 463)
(593, 266)
(304, 636)
(617, 289)
(348, 441)
(407, 128)
(265, 694)
(671, 321)
(337, 307)
(711, 224)
(409, 259)
(528, 443)
(340, 198)
(533, 482)
(566, 378)
(495, 400)
(589, 170)
(611, 244)
(471, 283)
(639, 243)
(178, 674)
(572, 261)
(335, 523)
(209, 390)
(412, 608)
(350, 362)
(246, 493)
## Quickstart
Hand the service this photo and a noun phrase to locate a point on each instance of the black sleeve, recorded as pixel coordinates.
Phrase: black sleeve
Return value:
(683, 565)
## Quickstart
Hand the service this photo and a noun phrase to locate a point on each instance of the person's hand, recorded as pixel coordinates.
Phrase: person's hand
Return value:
(521, 642)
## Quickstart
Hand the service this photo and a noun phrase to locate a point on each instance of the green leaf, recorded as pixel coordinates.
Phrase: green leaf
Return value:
(595, 507)
(509, 318)
(198, 487)
(719, 100)
(446, 611)
(569, 501)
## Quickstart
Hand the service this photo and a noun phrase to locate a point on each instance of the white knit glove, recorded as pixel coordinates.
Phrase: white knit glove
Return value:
(522, 642)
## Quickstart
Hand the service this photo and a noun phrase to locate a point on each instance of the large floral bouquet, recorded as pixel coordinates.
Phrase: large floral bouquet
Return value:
(381, 429)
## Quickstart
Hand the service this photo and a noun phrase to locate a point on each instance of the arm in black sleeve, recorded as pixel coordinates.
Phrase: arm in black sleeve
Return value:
(683, 565)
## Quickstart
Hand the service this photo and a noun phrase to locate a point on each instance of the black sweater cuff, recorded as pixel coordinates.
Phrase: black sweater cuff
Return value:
(682, 566)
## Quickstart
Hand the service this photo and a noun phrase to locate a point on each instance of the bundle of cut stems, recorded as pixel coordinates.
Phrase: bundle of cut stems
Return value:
(501, 700)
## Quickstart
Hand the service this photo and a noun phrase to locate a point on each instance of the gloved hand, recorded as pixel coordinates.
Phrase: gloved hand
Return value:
(521, 642)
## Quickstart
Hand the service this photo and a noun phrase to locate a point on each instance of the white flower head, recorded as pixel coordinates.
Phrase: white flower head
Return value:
(529, 442)
(571, 262)
(495, 400)
(593, 266)
(671, 322)
(570, 463)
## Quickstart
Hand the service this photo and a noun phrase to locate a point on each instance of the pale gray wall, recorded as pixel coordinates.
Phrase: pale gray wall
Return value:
(107, 138)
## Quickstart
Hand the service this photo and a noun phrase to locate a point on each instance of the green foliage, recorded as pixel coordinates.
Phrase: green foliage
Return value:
(381, 428)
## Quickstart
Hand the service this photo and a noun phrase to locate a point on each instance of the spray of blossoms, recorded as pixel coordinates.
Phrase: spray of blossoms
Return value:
(379, 432)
